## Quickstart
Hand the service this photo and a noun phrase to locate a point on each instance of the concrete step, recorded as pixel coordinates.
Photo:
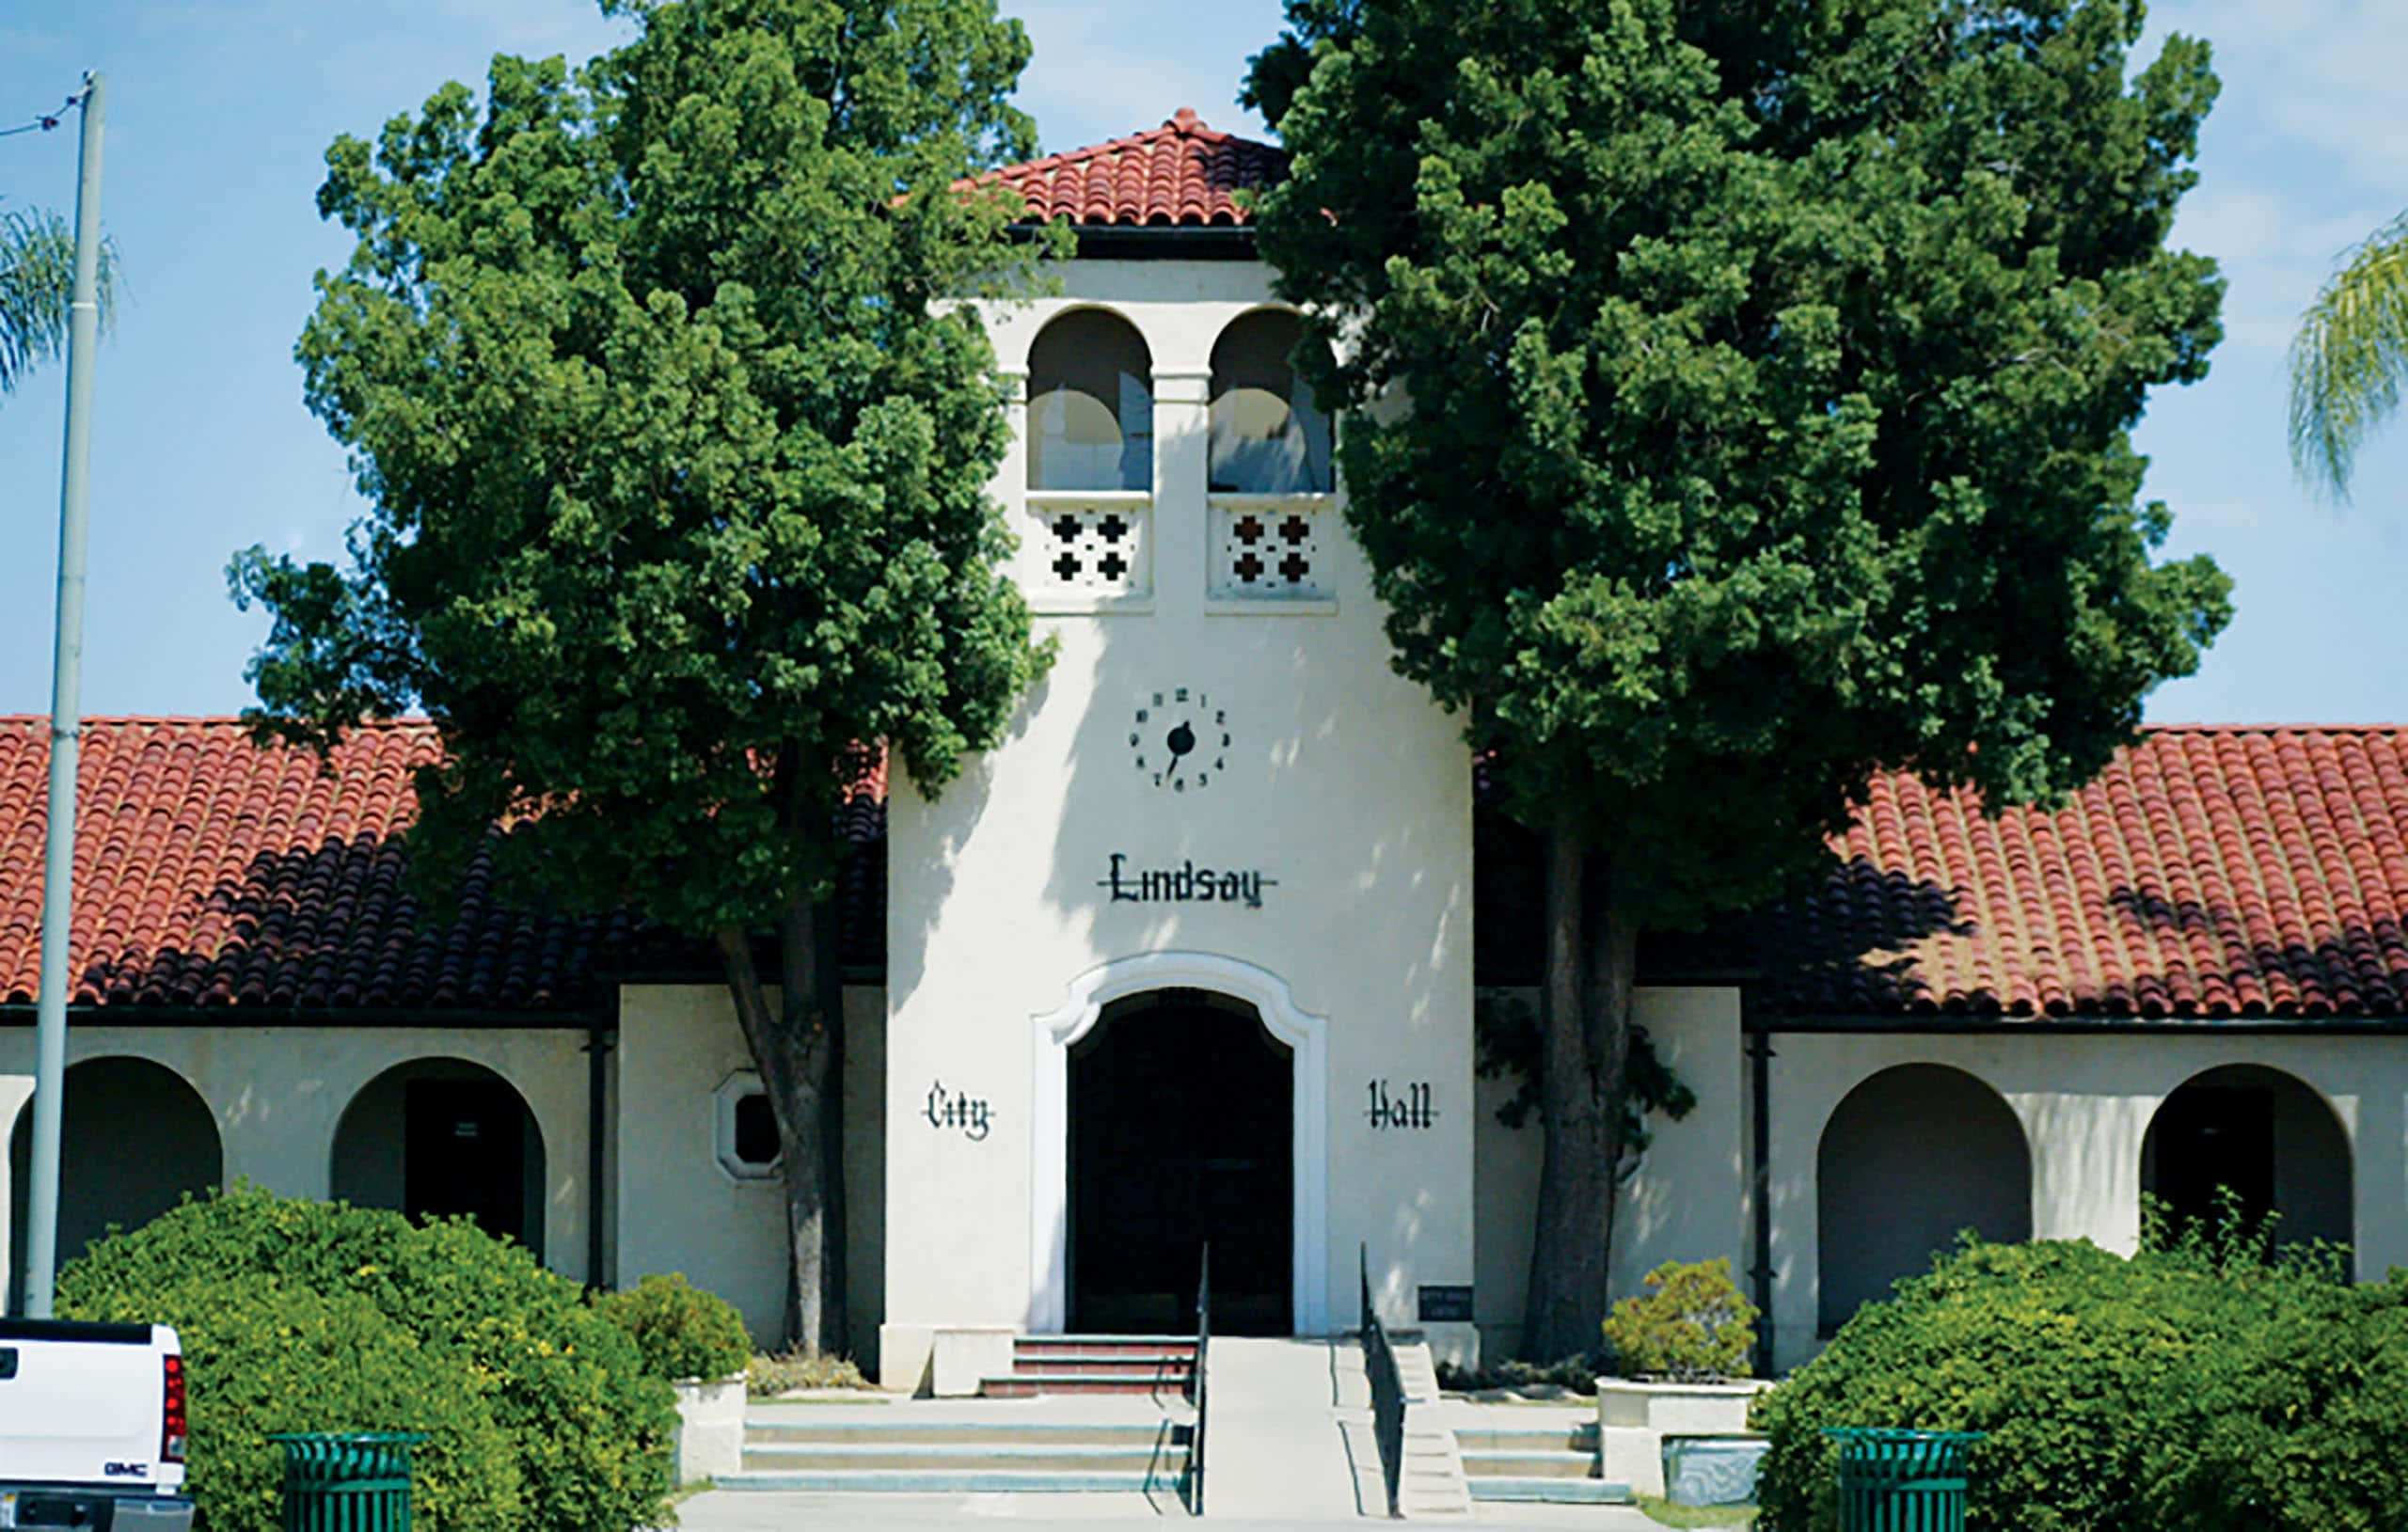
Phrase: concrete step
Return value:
(767, 1433)
(1091, 1345)
(965, 1457)
(1557, 1491)
(1494, 1463)
(948, 1482)
(1523, 1439)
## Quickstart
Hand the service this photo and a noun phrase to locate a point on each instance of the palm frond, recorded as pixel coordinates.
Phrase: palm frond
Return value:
(36, 285)
(2350, 359)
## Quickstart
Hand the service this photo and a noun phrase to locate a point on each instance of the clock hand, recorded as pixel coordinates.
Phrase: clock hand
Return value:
(1180, 741)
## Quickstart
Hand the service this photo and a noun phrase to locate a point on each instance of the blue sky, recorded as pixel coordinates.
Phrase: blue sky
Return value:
(221, 110)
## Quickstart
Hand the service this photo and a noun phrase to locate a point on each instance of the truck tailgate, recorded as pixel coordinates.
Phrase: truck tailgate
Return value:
(84, 1410)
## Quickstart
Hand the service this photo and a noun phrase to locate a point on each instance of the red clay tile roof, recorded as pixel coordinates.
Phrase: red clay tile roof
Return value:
(2210, 872)
(212, 872)
(1180, 175)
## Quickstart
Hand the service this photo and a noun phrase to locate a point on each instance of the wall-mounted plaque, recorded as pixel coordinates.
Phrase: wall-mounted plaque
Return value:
(1448, 1303)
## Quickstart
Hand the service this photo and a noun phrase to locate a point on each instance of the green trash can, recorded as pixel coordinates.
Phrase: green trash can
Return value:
(346, 1481)
(1902, 1480)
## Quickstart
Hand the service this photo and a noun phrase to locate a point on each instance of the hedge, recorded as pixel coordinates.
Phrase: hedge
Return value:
(307, 1315)
(2179, 1389)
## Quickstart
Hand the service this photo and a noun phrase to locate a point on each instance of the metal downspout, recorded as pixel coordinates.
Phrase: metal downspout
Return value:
(1760, 1195)
(600, 1037)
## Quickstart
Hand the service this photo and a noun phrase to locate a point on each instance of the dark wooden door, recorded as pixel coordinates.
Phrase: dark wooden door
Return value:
(1181, 1131)
(465, 1151)
(2212, 1137)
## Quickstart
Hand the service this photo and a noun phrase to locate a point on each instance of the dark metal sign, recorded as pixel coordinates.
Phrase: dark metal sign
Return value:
(1185, 884)
(1446, 1304)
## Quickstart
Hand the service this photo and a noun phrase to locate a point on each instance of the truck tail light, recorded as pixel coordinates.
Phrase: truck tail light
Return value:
(171, 1428)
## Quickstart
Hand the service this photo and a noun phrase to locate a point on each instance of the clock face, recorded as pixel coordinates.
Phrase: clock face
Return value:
(1180, 739)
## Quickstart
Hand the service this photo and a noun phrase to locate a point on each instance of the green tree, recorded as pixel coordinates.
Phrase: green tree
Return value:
(677, 440)
(2350, 358)
(1771, 372)
(36, 284)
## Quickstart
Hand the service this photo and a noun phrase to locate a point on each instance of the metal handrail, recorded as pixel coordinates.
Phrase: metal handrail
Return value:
(1196, 1380)
(1388, 1388)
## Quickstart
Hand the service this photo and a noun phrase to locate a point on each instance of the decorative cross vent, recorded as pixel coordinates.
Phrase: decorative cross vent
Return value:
(1090, 551)
(1268, 553)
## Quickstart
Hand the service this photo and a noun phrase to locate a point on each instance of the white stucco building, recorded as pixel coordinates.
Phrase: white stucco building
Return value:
(1195, 954)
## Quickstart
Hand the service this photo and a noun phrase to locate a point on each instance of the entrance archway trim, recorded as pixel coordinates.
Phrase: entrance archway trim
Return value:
(1307, 1039)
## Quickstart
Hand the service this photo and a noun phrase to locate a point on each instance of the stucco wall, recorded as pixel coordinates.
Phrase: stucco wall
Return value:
(2084, 1104)
(278, 1092)
(679, 1210)
(1344, 784)
(1687, 1200)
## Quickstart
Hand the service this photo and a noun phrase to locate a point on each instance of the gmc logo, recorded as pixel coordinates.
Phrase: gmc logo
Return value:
(127, 1470)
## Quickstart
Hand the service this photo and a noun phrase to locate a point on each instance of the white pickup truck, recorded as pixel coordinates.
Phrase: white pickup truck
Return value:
(92, 1427)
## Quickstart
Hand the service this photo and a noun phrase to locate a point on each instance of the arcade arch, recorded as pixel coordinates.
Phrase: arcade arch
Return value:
(2266, 1135)
(133, 1138)
(1910, 1156)
(443, 1137)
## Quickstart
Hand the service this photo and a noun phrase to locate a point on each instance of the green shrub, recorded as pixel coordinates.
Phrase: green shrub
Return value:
(263, 1356)
(767, 1376)
(682, 1331)
(517, 1369)
(2180, 1389)
(1690, 1325)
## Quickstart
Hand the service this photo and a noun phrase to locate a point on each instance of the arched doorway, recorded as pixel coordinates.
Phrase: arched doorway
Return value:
(1181, 1132)
(133, 1138)
(443, 1138)
(2268, 1137)
(1911, 1157)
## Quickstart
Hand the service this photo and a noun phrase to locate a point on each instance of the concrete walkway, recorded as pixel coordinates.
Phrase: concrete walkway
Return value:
(1273, 1449)
(722, 1511)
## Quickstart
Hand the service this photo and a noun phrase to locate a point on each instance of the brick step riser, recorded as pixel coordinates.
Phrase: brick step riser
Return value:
(1525, 1442)
(1135, 1367)
(1029, 1388)
(1102, 1347)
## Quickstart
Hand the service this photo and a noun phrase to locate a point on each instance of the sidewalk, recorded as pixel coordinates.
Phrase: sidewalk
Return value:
(718, 1511)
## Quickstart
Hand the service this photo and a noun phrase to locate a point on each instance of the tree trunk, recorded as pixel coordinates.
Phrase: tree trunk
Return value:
(1584, 1051)
(799, 1049)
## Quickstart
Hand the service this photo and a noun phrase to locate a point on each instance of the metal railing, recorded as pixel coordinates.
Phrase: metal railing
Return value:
(1388, 1388)
(1195, 1380)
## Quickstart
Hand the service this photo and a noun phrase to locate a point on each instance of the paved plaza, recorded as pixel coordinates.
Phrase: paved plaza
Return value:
(758, 1511)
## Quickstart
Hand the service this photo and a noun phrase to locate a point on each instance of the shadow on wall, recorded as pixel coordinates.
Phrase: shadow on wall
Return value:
(135, 1139)
(1908, 1159)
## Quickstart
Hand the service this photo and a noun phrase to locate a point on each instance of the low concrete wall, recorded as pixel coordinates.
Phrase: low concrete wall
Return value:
(710, 1428)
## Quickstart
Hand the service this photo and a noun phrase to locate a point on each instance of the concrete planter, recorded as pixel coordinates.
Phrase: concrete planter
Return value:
(710, 1428)
(1634, 1418)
